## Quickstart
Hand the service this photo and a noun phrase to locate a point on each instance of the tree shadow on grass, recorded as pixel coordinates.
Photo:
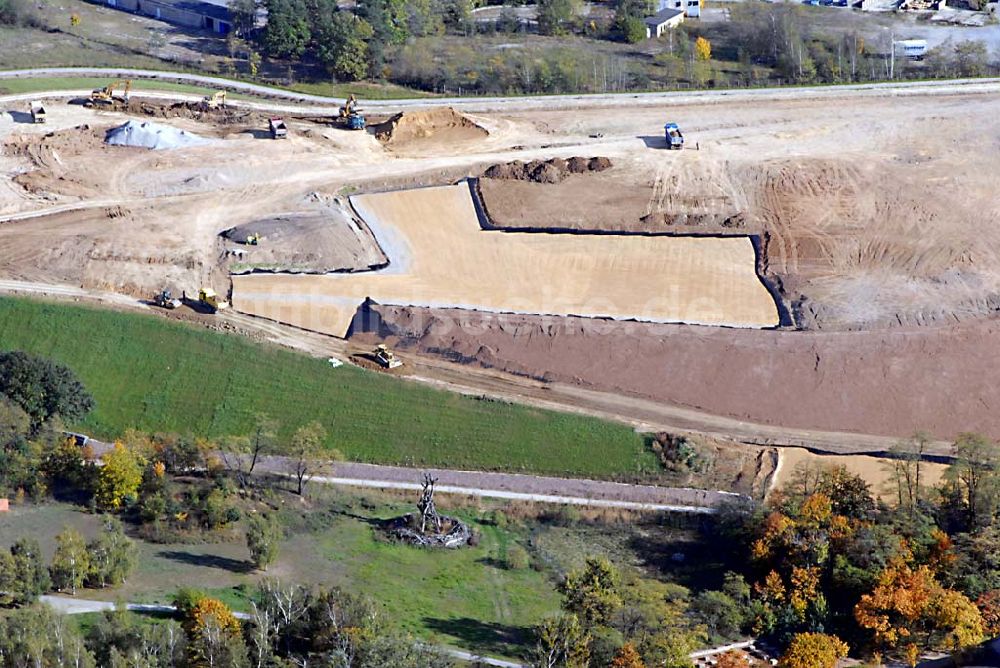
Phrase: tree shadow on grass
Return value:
(207, 560)
(475, 635)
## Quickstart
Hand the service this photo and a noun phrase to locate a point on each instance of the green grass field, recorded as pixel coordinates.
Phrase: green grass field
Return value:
(155, 375)
(462, 598)
(37, 84)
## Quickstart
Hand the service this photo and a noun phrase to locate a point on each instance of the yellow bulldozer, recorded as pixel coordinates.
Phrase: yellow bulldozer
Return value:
(208, 298)
(106, 95)
(385, 357)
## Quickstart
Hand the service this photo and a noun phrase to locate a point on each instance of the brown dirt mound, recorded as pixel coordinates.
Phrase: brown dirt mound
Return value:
(442, 125)
(547, 171)
(307, 243)
(47, 150)
(194, 110)
(57, 158)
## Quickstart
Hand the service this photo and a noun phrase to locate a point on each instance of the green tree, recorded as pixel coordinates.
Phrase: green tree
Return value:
(286, 34)
(592, 592)
(113, 556)
(633, 29)
(31, 575)
(71, 561)
(554, 15)
(306, 454)
(974, 470)
(43, 388)
(342, 46)
(562, 643)
(38, 637)
(244, 16)
(264, 536)
(971, 57)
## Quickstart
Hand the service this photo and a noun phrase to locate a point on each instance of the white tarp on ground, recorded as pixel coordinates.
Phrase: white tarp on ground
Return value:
(152, 135)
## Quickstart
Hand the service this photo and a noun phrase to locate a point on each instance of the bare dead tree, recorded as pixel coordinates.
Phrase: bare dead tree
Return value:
(426, 506)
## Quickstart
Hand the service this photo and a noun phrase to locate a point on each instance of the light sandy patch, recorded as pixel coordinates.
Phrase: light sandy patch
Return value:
(440, 257)
(874, 470)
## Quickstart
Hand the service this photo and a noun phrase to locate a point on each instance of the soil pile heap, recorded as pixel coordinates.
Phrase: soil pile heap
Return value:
(152, 136)
(436, 125)
(546, 171)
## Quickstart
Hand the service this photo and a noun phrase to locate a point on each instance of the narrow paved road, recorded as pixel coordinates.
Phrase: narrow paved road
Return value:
(510, 486)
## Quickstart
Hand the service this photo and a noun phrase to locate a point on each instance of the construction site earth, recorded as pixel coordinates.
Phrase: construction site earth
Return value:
(819, 270)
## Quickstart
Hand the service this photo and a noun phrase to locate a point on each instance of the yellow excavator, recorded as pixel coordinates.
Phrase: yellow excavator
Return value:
(107, 96)
(215, 101)
(350, 115)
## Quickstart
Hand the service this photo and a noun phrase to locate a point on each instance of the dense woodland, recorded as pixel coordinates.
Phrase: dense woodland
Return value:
(436, 45)
(825, 568)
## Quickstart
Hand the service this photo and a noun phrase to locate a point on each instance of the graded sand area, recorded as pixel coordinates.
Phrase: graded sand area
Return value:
(439, 256)
(876, 471)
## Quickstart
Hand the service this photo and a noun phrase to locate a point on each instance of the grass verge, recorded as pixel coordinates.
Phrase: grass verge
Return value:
(149, 373)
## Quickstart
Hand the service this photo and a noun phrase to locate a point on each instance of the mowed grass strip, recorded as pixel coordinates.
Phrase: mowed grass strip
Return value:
(156, 375)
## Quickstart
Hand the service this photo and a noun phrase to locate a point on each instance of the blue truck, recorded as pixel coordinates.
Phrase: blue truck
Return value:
(673, 135)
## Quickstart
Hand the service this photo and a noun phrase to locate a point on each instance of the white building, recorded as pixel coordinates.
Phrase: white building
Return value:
(691, 8)
(663, 20)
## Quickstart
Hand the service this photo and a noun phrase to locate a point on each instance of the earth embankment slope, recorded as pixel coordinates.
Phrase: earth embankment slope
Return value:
(888, 383)
(439, 256)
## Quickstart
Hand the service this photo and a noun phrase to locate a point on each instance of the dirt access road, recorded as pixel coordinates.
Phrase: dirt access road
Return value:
(855, 250)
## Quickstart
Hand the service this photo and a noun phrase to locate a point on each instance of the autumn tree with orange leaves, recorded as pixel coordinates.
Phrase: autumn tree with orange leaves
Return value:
(909, 611)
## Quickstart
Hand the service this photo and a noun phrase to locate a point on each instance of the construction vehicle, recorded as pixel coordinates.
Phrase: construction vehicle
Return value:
(106, 95)
(385, 357)
(37, 111)
(208, 298)
(164, 299)
(278, 128)
(351, 116)
(215, 101)
(673, 135)
(254, 239)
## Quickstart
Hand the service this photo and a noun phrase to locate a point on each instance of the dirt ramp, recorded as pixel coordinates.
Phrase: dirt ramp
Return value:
(432, 127)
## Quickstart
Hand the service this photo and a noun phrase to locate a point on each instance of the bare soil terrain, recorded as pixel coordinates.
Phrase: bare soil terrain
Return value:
(440, 256)
(890, 383)
(879, 218)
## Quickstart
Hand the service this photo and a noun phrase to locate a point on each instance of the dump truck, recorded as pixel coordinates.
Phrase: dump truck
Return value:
(208, 298)
(385, 357)
(164, 299)
(37, 111)
(278, 128)
(351, 116)
(673, 135)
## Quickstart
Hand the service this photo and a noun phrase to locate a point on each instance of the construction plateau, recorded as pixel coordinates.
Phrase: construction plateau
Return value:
(811, 258)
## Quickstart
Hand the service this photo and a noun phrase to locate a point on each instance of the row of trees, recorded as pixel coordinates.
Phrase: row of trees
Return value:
(105, 561)
(289, 626)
